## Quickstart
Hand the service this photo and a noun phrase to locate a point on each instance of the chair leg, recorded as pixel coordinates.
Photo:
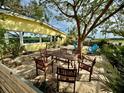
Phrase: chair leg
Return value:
(57, 86)
(74, 88)
(36, 72)
(90, 76)
(45, 75)
(78, 70)
(68, 63)
(71, 64)
(56, 59)
(52, 66)
(52, 62)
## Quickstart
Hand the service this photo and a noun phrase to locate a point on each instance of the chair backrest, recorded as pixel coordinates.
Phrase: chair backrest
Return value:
(40, 63)
(94, 61)
(43, 54)
(63, 50)
(66, 75)
(43, 51)
(87, 67)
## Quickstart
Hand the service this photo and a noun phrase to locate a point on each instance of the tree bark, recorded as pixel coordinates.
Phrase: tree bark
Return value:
(79, 36)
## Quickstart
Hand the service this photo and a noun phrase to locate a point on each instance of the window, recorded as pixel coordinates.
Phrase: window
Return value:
(46, 38)
(31, 38)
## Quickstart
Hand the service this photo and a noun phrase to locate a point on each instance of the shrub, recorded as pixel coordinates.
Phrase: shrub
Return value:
(114, 71)
(3, 49)
(15, 48)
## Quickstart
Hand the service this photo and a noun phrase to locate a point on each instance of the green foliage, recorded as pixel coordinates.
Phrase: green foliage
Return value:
(114, 71)
(72, 36)
(51, 44)
(31, 39)
(46, 87)
(34, 10)
(14, 47)
(14, 5)
(2, 42)
(102, 42)
(69, 40)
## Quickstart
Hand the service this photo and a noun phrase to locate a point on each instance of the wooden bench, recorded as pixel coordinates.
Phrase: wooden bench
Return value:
(10, 83)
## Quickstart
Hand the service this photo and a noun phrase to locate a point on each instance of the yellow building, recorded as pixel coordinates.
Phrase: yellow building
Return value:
(22, 24)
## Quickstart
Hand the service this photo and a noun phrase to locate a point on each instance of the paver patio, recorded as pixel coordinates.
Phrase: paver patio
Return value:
(26, 70)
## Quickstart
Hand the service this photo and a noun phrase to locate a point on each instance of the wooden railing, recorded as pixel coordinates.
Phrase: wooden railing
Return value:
(9, 83)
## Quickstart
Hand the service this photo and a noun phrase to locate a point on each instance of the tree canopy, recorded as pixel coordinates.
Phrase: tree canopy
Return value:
(87, 14)
(31, 9)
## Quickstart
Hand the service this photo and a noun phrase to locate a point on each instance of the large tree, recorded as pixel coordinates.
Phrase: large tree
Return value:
(114, 25)
(88, 14)
(12, 5)
(34, 10)
(31, 9)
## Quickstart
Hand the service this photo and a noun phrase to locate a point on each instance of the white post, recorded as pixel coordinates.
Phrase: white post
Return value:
(50, 38)
(21, 38)
(6, 38)
(40, 38)
(55, 38)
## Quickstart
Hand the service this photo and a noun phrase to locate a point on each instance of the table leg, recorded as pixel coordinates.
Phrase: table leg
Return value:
(68, 63)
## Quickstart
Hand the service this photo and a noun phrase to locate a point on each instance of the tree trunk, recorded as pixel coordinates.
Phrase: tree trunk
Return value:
(79, 46)
(79, 36)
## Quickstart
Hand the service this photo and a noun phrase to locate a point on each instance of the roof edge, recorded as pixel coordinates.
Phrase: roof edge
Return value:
(28, 18)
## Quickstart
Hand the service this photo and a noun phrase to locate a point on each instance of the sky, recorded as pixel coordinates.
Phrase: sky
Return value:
(24, 2)
(64, 26)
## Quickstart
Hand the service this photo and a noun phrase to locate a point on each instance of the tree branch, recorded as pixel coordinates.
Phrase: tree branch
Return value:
(84, 31)
(122, 6)
(79, 4)
(101, 2)
(97, 19)
(102, 13)
(93, 11)
(62, 11)
(83, 21)
(90, 18)
(74, 2)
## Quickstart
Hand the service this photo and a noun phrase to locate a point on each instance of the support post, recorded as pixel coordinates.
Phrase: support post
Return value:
(50, 38)
(40, 38)
(21, 38)
(6, 38)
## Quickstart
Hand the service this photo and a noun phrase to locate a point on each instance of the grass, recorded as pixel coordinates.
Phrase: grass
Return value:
(110, 40)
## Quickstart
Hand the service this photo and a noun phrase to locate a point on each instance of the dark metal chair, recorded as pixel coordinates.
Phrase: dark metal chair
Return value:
(66, 75)
(88, 67)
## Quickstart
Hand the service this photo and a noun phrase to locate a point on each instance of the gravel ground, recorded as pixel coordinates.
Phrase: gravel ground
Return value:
(24, 66)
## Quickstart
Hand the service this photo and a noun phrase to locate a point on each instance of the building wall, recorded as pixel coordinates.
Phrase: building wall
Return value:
(15, 22)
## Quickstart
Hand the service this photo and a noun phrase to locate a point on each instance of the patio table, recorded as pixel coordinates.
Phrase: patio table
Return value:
(67, 57)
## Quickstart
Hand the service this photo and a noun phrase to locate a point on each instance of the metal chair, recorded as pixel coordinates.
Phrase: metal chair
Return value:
(66, 75)
(86, 66)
